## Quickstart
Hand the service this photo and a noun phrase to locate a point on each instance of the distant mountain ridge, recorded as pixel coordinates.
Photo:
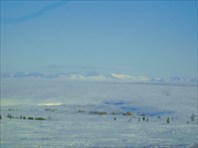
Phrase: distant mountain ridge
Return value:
(97, 77)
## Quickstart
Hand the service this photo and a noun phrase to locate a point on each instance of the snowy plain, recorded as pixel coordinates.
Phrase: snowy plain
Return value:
(94, 114)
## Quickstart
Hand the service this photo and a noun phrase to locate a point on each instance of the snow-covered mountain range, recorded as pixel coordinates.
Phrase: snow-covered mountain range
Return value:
(96, 77)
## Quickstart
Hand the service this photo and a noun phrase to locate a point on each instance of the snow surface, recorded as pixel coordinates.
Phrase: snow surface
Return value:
(71, 109)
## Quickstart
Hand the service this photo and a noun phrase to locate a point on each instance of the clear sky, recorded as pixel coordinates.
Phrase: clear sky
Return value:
(150, 38)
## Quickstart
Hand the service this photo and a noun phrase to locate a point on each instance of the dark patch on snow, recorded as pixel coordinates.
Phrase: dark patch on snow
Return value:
(130, 108)
(114, 103)
(145, 111)
(158, 113)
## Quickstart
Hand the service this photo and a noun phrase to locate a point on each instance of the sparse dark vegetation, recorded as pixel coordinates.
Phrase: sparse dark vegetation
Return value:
(143, 118)
(168, 120)
(97, 113)
(30, 118)
(113, 113)
(9, 116)
(50, 109)
(192, 117)
(81, 111)
(127, 114)
(39, 118)
(24, 117)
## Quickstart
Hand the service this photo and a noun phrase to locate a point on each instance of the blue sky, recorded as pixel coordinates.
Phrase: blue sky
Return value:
(147, 38)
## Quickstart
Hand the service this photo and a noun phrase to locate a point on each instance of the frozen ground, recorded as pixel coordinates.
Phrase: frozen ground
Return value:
(88, 114)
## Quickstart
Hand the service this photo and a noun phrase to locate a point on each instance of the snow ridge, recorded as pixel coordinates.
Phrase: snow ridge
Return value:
(98, 77)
